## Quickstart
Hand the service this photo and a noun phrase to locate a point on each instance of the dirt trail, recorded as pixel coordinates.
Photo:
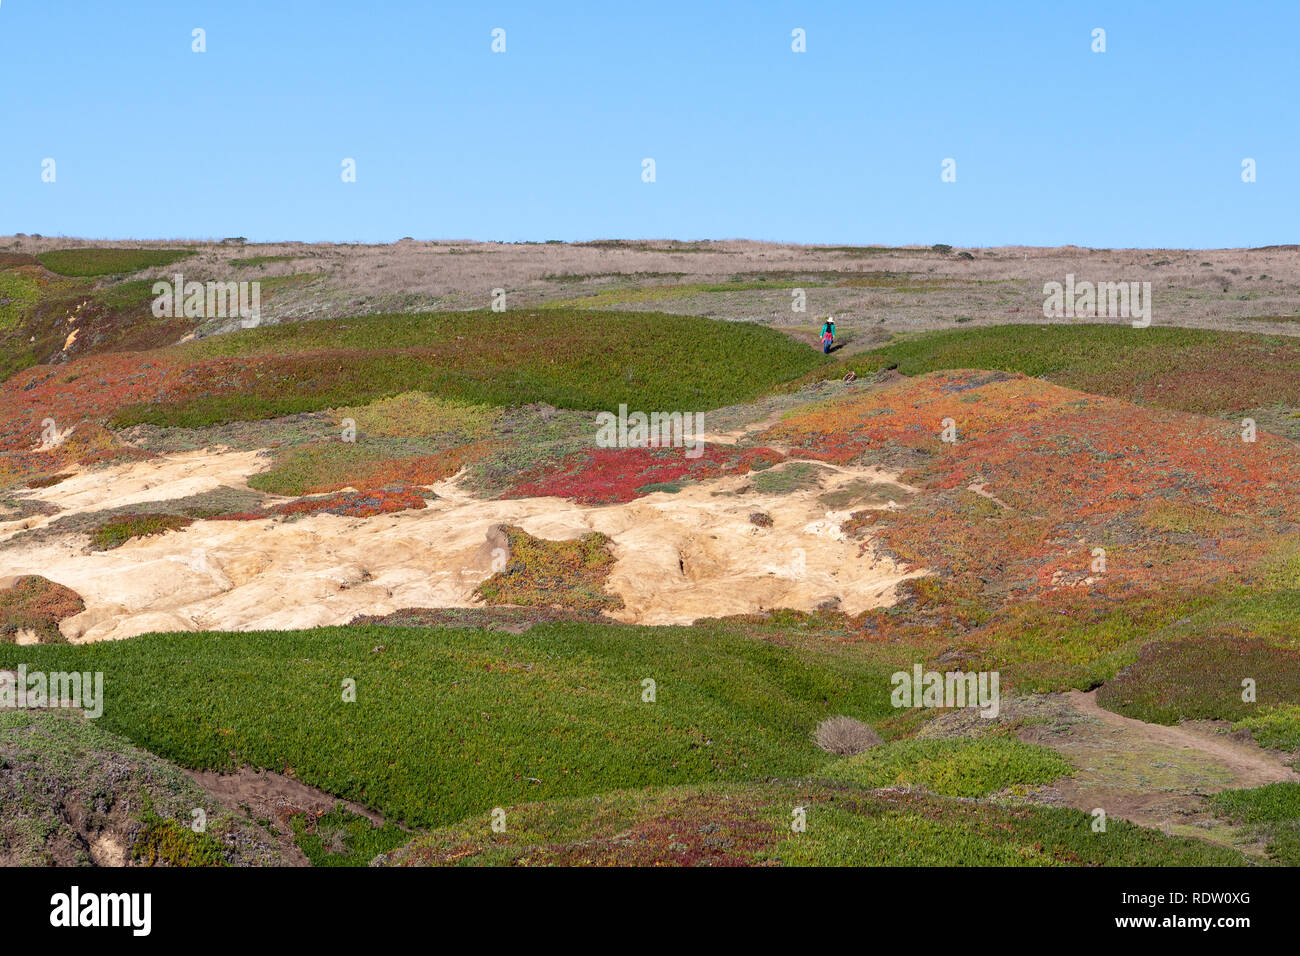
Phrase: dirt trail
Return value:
(1250, 765)
(679, 556)
(1148, 774)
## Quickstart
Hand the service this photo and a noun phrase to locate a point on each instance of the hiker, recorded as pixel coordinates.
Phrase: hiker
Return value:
(828, 333)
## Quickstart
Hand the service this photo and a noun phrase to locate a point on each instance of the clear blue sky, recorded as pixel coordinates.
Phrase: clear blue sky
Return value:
(1139, 146)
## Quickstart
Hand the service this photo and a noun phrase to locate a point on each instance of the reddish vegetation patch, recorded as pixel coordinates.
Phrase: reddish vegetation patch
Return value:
(89, 444)
(86, 390)
(1174, 499)
(613, 475)
(416, 470)
(1201, 678)
(37, 604)
(48, 481)
(692, 829)
(351, 504)
(698, 831)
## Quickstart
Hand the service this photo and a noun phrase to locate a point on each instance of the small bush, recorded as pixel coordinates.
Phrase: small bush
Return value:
(845, 736)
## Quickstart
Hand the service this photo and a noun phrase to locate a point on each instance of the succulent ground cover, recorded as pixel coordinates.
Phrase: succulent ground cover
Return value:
(1201, 371)
(99, 261)
(74, 794)
(116, 532)
(62, 305)
(343, 838)
(36, 604)
(1271, 813)
(87, 445)
(450, 721)
(750, 825)
(566, 574)
(1123, 440)
(1203, 678)
(1041, 476)
(969, 767)
(649, 362)
(585, 361)
(609, 475)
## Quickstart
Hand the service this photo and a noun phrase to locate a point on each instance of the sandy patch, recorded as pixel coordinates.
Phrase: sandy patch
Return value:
(154, 479)
(679, 556)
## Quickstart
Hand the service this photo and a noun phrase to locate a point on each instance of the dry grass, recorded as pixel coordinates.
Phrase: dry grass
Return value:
(845, 736)
(868, 289)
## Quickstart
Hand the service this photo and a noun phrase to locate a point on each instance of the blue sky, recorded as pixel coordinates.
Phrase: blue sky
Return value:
(1138, 146)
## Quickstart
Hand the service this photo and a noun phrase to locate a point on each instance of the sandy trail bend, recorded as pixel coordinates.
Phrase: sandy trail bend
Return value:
(679, 556)
(1247, 763)
(1149, 774)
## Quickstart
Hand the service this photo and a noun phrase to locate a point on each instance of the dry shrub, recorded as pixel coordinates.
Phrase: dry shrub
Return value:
(845, 736)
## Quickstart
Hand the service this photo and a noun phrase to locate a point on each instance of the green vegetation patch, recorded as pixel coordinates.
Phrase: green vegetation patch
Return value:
(118, 531)
(566, 358)
(1189, 370)
(127, 296)
(1276, 726)
(541, 573)
(343, 838)
(1204, 678)
(751, 824)
(98, 261)
(452, 722)
(1271, 812)
(74, 794)
(164, 841)
(967, 767)
(421, 415)
(19, 294)
(412, 438)
(864, 493)
(786, 479)
(1270, 804)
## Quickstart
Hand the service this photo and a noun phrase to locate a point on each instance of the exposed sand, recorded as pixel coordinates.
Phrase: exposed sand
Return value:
(160, 479)
(679, 556)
